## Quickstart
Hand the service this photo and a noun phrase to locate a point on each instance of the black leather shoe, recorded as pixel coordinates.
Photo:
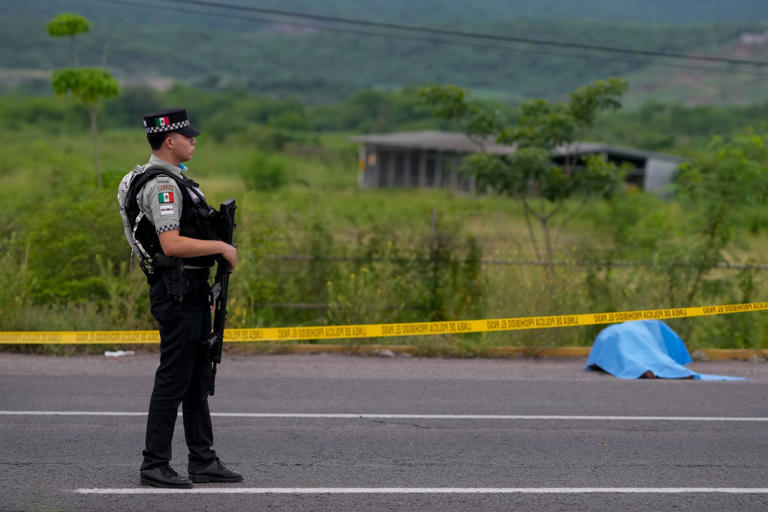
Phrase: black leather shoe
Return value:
(164, 476)
(216, 471)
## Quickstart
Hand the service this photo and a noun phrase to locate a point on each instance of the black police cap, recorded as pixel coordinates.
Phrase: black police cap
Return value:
(171, 120)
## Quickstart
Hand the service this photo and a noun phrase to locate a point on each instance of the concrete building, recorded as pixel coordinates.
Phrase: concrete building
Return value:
(432, 159)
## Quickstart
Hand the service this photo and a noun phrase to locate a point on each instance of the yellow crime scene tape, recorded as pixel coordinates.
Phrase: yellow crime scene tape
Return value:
(381, 330)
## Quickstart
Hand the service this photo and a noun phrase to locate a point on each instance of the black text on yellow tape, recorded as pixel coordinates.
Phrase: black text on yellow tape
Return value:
(382, 330)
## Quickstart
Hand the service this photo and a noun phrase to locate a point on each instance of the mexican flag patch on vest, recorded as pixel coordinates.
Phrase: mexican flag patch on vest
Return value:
(165, 197)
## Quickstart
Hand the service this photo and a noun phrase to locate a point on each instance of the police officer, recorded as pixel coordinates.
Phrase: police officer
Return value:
(179, 302)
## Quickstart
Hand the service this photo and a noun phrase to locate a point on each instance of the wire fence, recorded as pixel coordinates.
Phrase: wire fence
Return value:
(496, 261)
(486, 262)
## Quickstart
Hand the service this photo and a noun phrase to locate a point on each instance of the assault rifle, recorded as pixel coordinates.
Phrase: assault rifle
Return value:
(220, 290)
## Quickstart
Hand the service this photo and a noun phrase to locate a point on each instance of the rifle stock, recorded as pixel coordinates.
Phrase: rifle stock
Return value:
(220, 289)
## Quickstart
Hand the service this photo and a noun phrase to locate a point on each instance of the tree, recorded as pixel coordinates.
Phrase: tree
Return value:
(529, 175)
(714, 189)
(69, 25)
(89, 87)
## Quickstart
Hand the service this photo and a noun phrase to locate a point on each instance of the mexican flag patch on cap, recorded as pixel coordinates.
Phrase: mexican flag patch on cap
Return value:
(165, 197)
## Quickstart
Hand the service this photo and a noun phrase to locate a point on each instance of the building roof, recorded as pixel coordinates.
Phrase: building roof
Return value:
(461, 143)
(582, 148)
(435, 140)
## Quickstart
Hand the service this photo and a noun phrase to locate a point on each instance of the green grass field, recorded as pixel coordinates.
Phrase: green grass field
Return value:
(370, 253)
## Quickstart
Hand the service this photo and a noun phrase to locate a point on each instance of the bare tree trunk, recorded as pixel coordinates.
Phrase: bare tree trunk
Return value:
(531, 234)
(75, 59)
(104, 55)
(547, 239)
(95, 134)
(711, 246)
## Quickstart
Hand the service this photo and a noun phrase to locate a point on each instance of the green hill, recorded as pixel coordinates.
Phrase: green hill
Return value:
(422, 12)
(221, 49)
(696, 87)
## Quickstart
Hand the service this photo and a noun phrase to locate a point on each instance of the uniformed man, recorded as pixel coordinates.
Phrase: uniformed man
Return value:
(177, 211)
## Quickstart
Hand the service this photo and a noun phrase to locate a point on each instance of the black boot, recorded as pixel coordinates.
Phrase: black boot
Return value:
(216, 471)
(164, 476)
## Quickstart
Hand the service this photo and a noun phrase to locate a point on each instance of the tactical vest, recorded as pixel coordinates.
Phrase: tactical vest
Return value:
(197, 221)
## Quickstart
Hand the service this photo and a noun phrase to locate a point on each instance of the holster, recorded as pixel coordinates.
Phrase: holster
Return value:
(176, 281)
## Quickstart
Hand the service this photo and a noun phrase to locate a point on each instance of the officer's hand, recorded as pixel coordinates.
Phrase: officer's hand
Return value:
(230, 254)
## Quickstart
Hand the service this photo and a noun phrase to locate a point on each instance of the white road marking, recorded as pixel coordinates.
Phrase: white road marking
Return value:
(429, 490)
(70, 413)
(499, 417)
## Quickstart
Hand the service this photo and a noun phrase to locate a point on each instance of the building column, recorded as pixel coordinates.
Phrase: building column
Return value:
(422, 168)
(439, 169)
(375, 180)
(362, 166)
(406, 168)
(454, 174)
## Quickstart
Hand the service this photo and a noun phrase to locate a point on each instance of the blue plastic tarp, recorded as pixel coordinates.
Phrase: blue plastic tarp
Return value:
(631, 349)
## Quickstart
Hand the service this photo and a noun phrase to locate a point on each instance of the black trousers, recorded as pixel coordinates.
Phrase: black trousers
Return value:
(183, 376)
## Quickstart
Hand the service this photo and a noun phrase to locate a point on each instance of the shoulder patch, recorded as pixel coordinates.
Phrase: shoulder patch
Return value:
(163, 187)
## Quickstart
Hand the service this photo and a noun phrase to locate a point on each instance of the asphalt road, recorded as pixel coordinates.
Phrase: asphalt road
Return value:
(350, 433)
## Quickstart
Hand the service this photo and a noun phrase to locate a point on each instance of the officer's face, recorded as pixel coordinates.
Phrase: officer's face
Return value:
(183, 147)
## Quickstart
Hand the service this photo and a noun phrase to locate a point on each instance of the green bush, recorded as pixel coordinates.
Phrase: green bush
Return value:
(265, 172)
(69, 237)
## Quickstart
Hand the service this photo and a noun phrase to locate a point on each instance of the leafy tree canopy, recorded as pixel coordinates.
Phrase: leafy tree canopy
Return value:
(543, 130)
(68, 24)
(87, 85)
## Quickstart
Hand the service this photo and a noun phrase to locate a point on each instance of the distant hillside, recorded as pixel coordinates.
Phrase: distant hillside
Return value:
(436, 11)
(694, 87)
(158, 45)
